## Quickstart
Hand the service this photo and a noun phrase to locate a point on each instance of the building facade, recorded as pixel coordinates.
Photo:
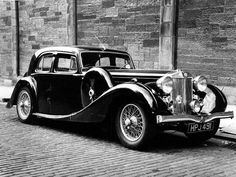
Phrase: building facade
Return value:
(206, 42)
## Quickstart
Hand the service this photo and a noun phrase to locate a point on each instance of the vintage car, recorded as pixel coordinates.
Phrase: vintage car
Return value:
(87, 84)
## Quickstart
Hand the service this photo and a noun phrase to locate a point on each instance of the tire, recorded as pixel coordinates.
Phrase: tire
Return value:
(24, 105)
(132, 125)
(203, 136)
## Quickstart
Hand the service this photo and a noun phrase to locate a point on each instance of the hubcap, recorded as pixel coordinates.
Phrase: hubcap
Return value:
(24, 105)
(132, 122)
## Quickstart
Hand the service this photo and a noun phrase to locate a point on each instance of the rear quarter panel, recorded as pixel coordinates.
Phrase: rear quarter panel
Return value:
(23, 82)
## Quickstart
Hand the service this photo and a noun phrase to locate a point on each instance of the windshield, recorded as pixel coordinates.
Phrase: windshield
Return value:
(106, 60)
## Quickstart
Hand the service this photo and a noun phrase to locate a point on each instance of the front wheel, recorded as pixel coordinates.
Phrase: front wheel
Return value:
(24, 105)
(132, 125)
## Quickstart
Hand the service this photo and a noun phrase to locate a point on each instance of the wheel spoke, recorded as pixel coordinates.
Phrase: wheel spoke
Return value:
(24, 110)
(134, 112)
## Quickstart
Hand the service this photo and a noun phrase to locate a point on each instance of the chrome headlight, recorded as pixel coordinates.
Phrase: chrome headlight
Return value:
(200, 83)
(166, 84)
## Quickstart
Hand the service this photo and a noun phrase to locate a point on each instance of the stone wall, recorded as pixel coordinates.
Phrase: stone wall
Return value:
(207, 39)
(43, 23)
(7, 39)
(131, 25)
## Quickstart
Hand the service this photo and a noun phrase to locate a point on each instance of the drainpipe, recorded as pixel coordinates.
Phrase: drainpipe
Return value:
(17, 38)
(168, 34)
(175, 22)
(75, 22)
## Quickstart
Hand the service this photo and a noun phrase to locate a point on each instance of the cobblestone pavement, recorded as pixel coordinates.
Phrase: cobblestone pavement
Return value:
(50, 148)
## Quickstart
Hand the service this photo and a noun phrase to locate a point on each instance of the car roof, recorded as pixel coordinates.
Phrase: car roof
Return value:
(75, 49)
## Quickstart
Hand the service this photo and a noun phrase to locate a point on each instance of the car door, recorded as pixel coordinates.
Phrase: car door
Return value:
(43, 77)
(66, 83)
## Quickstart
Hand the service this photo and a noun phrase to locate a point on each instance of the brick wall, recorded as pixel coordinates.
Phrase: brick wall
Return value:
(43, 23)
(7, 31)
(207, 39)
(131, 25)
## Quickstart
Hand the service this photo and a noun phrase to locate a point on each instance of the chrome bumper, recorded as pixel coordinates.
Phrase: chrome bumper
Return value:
(193, 118)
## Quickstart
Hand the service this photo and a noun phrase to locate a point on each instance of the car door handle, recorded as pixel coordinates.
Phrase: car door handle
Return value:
(49, 100)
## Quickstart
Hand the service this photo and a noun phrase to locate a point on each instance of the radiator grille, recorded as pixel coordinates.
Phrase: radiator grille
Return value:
(182, 95)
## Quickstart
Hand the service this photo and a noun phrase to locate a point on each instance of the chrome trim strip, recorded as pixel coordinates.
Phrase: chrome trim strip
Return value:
(50, 116)
(197, 119)
(136, 74)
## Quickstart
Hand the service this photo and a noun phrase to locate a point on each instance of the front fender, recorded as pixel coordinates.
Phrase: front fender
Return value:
(221, 101)
(134, 91)
(111, 99)
(23, 82)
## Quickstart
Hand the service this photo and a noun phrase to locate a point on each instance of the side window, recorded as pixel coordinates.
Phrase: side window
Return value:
(44, 64)
(121, 62)
(66, 63)
(105, 61)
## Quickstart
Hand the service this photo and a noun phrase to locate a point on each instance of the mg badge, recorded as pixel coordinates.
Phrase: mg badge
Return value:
(179, 99)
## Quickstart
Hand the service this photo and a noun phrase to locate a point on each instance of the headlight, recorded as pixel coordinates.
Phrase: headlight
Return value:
(200, 83)
(167, 89)
(196, 106)
(166, 84)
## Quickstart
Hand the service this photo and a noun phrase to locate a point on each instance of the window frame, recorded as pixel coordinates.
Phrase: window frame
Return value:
(56, 61)
(40, 59)
(110, 52)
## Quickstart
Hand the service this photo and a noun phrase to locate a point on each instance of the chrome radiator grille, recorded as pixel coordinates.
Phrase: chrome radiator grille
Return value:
(182, 95)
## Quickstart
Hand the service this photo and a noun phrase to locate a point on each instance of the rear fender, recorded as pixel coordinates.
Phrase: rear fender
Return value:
(23, 82)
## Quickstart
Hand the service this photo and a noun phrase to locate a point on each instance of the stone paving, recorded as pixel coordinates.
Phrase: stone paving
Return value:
(50, 148)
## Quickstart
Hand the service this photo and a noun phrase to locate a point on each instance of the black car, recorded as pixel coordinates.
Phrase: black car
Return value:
(86, 84)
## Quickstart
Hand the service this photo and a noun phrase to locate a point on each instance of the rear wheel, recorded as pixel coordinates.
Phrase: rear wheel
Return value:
(24, 105)
(132, 125)
(203, 136)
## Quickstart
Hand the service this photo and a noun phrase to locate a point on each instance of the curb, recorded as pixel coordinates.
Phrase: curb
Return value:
(225, 136)
(7, 82)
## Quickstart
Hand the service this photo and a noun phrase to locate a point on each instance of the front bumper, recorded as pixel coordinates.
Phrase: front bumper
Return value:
(193, 118)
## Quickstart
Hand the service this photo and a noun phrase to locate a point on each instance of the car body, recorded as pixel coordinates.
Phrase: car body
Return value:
(87, 84)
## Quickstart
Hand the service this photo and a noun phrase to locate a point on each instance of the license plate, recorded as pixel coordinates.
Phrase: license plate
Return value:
(195, 127)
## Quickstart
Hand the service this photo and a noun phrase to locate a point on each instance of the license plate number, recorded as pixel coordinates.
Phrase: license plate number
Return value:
(195, 127)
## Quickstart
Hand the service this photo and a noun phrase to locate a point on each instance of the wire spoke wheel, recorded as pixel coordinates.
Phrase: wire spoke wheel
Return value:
(131, 122)
(133, 128)
(24, 105)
